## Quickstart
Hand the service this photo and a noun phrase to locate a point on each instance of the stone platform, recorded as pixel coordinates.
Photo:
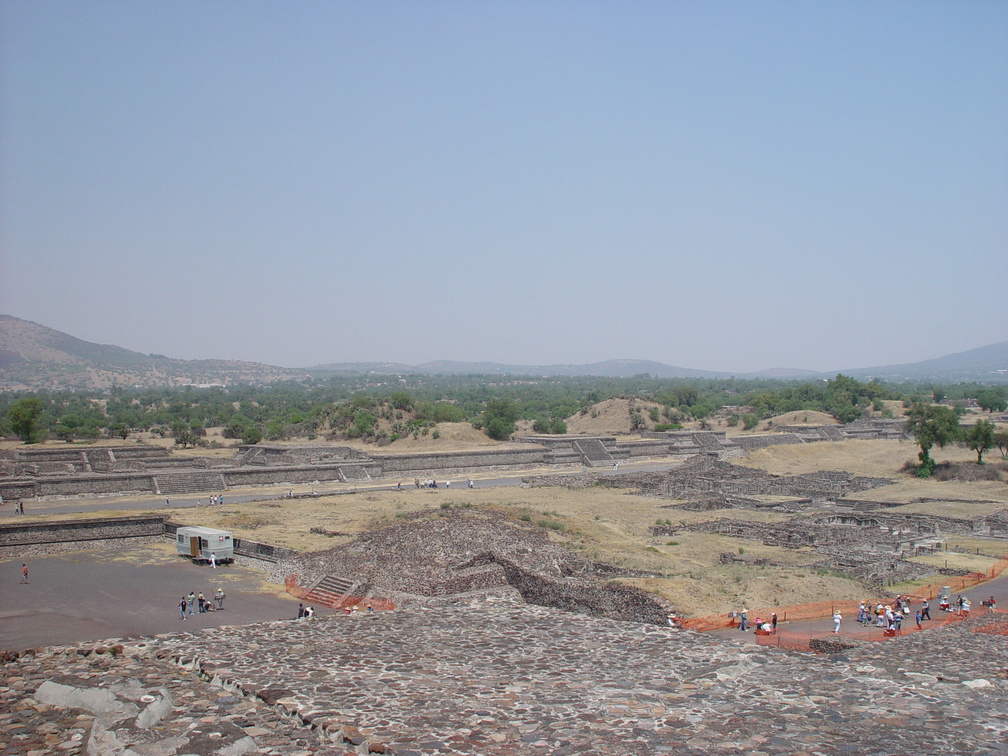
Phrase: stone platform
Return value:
(488, 674)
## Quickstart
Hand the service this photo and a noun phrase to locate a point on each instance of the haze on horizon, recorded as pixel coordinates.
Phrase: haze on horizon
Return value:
(719, 186)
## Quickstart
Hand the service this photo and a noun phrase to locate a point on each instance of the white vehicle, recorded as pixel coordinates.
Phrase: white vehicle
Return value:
(201, 543)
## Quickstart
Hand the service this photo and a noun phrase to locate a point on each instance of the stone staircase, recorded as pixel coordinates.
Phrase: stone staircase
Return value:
(708, 443)
(250, 455)
(331, 591)
(593, 452)
(189, 482)
(354, 473)
(832, 433)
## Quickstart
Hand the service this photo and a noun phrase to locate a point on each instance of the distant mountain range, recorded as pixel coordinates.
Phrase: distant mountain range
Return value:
(33, 356)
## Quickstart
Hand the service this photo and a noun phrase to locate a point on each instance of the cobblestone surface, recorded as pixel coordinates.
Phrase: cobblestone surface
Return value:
(488, 674)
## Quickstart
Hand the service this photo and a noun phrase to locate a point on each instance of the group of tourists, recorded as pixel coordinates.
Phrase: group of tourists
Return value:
(189, 604)
(767, 626)
(431, 483)
(18, 506)
(960, 605)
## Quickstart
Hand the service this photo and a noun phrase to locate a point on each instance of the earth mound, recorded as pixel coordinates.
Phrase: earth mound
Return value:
(456, 551)
(613, 417)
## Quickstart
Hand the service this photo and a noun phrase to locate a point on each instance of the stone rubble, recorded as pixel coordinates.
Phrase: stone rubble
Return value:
(488, 674)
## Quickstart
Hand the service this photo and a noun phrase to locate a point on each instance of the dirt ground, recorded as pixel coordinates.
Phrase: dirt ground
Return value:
(90, 595)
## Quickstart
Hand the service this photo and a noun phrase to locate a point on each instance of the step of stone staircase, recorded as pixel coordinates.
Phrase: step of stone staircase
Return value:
(189, 482)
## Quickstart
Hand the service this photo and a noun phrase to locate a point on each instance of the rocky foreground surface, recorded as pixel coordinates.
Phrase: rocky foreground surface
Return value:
(489, 674)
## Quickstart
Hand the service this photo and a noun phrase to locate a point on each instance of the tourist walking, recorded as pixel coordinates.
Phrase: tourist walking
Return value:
(219, 598)
(837, 620)
(191, 600)
(213, 560)
(926, 611)
(182, 608)
(24, 572)
(743, 621)
(918, 619)
(773, 622)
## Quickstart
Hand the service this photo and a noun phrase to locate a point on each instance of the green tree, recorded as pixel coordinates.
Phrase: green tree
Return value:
(401, 400)
(931, 425)
(1001, 442)
(119, 429)
(499, 418)
(979, 438)
(185, 438)
(990, 401)
(24, 415)
(363, 424)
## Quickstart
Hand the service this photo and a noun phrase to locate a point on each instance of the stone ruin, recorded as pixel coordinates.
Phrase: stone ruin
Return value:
(455, 551)
(706, 482)
(853, 536)
(867, 548)
(704, 477)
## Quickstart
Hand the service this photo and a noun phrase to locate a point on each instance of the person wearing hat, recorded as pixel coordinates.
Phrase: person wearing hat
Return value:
(837, 619)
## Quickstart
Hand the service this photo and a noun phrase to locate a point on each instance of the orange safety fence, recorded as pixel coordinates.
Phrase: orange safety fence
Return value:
(824, 609)
(378, 603)
(801, 640)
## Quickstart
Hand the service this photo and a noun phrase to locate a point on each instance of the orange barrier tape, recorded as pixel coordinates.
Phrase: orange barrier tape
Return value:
(825, 609)
(342, 602)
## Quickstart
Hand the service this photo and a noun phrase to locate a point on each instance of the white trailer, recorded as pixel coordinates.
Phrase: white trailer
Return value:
(201, 543)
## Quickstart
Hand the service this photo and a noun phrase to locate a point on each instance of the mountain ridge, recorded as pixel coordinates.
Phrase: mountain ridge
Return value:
(34, 356)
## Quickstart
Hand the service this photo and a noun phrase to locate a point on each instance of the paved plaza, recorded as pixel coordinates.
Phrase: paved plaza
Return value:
(489, 674)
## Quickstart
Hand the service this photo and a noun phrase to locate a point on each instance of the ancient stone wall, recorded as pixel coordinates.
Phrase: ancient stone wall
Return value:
(237, 477)
(460, 461)
(761, 442)
(24, 533)
(94, 484)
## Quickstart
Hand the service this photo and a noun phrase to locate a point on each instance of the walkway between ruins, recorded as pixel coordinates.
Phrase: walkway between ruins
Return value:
(796, 634)
(134, 502)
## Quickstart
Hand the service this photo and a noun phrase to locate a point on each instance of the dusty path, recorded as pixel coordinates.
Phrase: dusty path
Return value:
(134, 591)
(795, 634)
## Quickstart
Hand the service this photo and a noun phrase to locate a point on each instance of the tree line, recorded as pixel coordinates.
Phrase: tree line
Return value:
(385, 408)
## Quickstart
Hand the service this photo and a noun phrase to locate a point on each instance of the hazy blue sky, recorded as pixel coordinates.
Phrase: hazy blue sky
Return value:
(717, 185)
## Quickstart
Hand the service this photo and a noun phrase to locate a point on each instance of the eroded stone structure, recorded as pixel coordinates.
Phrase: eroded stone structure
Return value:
(458, 551)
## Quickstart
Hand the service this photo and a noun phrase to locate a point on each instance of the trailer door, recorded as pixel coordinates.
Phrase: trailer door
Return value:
(194, 550)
